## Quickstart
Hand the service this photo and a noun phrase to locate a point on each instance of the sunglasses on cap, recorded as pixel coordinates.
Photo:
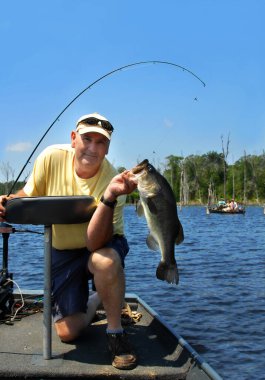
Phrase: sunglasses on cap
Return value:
(97, 122)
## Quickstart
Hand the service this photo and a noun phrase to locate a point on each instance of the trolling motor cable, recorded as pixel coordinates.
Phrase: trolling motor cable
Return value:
(13, 317)
(87, 88)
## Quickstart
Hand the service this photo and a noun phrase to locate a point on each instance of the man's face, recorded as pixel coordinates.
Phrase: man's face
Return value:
(90, 148)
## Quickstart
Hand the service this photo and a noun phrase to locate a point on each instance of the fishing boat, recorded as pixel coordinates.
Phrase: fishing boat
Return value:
(30, 348)
(217, 209)
(221, 206)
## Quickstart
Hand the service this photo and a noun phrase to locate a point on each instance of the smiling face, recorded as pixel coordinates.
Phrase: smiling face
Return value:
(90, 150)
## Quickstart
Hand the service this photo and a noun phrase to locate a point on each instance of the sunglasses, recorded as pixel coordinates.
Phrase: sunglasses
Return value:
(101, 123)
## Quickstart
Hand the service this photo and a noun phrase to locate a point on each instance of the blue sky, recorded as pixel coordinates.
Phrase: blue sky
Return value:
(51, 50)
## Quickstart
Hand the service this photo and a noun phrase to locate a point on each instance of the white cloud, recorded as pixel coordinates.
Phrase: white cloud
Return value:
(19, 147)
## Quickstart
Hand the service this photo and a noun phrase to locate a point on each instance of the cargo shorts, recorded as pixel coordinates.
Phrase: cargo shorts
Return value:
(70, 277)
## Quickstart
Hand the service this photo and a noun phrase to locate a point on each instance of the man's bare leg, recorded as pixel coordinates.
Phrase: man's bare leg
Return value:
(70, 327)
(110, 283)
(109, 280)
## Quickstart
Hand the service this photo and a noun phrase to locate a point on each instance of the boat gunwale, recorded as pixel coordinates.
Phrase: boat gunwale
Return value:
(193, 353)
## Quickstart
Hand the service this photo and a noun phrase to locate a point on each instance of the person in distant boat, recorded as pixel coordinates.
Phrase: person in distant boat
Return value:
(94, 250)
(233, 205)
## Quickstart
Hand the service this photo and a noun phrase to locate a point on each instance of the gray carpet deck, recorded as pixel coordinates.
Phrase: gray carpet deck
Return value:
(160, 355)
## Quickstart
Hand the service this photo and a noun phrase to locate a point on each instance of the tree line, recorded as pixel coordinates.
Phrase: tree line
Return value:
(207, 178)
(8, 174)
(196, 178)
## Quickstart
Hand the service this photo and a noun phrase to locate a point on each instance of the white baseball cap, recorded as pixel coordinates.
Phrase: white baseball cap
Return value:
(94, 122)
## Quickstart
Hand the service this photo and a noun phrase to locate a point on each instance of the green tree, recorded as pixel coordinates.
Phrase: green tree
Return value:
(172, 173)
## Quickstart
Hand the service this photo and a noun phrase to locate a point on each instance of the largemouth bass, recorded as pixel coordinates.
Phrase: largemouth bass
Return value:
(157, 203)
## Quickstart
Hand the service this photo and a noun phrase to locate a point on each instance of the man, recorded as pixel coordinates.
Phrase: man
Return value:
(82, 251)
(233, 205)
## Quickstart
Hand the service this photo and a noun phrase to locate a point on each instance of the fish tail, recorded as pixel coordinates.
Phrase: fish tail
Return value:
(167, 272)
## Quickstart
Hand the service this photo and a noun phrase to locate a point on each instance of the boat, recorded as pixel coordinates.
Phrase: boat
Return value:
(217, 209)
(30, 348)
(162, 353)
(222, 206)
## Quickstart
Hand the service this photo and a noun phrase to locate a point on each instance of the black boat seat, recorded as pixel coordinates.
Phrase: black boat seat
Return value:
(48, 211)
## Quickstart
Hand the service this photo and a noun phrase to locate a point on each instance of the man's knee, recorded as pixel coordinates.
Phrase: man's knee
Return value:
(66, 336)
(105, 260)
(64, 333)
(69, 328)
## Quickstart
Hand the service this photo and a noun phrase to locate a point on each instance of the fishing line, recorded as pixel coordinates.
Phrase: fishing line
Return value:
(89, 87)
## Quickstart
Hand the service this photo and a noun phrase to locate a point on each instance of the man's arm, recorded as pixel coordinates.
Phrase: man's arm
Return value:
(5, 198)
(100, 228)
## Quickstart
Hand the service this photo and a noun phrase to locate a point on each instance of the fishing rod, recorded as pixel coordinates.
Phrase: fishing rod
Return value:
(89, 87)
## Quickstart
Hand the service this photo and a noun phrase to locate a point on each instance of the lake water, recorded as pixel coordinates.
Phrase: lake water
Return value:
(218, 305)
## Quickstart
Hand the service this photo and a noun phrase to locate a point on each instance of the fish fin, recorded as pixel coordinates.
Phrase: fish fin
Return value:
(152, 243)
(180, 236)
(139, 208)
(168, 272)
(152, 206)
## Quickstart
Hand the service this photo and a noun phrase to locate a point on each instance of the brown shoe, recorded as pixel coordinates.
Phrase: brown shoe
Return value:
(122, 354)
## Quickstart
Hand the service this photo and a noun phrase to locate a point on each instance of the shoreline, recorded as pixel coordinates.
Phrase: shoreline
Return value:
(261, 204)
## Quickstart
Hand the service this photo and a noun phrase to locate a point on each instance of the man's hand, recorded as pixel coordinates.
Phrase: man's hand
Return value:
(123, 183)
(3, 200)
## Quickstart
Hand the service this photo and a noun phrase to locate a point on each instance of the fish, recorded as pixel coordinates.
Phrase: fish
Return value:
(157, 203)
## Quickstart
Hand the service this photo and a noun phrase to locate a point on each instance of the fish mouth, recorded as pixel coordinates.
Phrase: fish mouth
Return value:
(140, 167)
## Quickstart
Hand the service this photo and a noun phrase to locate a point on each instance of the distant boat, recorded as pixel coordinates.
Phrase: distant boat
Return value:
(215, 210)
(222, 208)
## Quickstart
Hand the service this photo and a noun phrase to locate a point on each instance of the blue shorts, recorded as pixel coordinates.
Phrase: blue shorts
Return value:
(70, 276)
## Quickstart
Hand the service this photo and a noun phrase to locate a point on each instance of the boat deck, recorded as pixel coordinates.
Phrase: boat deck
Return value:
(161, 356)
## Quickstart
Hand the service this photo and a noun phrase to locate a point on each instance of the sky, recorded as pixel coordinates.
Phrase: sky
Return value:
(52, 50)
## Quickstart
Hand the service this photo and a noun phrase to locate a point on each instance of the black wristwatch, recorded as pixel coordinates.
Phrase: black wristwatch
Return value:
(110, 204)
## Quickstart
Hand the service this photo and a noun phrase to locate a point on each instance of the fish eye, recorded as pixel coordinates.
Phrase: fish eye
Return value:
(150, 168)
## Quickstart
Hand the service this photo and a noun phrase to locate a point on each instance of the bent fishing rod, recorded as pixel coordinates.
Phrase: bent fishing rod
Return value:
(89, 87)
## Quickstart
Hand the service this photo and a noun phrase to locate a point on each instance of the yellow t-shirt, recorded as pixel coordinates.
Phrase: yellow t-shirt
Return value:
(54, 175)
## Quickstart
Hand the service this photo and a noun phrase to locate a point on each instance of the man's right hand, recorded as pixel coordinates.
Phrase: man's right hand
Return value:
(3, 200)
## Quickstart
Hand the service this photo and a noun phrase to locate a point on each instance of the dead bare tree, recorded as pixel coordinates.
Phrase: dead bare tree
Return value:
(225, 155)
(8, 173)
